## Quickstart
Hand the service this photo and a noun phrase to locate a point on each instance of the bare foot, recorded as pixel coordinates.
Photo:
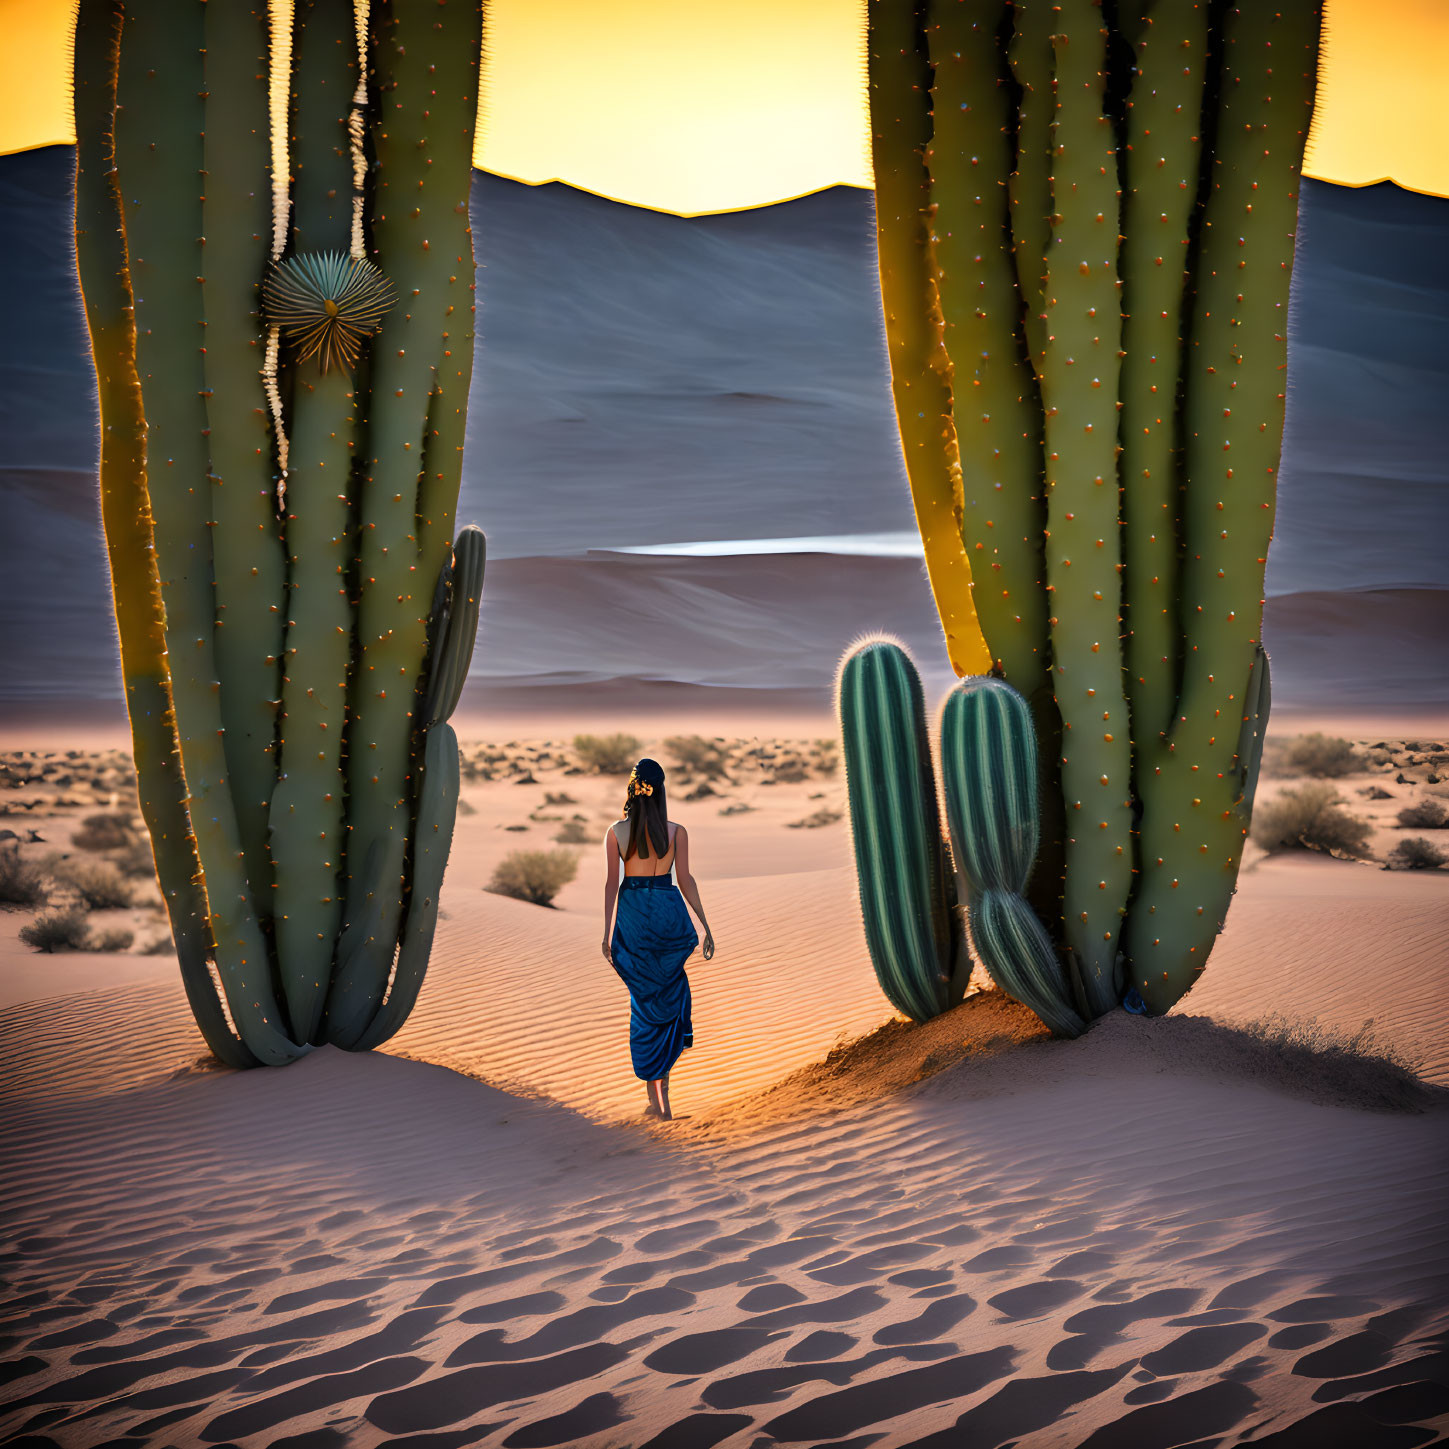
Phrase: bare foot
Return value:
(652, 1111)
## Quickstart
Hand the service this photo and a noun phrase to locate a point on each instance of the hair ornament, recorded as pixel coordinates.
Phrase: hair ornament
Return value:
(638, 786)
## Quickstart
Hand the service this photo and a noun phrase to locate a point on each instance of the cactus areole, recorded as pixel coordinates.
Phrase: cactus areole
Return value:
(279, 291)
(1086, 217)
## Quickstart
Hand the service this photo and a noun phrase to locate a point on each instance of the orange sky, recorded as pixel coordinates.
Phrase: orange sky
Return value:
(721, 104)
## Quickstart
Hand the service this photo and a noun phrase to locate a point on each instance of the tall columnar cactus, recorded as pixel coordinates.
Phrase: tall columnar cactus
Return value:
(1101, 246)
(279, 526)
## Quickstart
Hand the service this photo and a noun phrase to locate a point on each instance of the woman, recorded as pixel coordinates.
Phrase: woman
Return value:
(653, 935)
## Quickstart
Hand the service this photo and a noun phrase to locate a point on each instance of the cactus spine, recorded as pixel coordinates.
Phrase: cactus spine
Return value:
(1112, 196)
(906, 891)
(239, 629)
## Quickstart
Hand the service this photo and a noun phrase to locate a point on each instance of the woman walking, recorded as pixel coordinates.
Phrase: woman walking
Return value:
(652, 936)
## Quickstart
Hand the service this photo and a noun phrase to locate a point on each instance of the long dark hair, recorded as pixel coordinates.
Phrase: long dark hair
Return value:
(647, 811)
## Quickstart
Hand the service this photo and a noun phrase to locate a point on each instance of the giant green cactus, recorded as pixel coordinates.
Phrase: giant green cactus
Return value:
(277, 526)
(1104, 241)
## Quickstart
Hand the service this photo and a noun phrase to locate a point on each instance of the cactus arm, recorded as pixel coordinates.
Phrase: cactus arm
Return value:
(905, 887)
(989, 777)
(245, 539)
(1255, 730)
(437, 813)
(1080, 367)
(1192, 835)
(307, 806)
(450, 654)
(159, 152)
(423, 56)
(900, 122)
(126, 517)
(1164, 123)
(1029, 189)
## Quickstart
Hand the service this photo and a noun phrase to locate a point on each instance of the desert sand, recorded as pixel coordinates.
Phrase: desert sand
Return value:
(1225, 1226)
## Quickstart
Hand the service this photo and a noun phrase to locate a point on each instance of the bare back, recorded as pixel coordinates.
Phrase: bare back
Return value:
(644, 864)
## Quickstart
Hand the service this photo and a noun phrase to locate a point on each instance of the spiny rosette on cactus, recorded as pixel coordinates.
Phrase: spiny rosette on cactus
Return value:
(327, 305)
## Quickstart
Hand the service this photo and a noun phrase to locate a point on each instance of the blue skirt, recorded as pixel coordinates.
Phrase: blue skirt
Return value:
(653, 938)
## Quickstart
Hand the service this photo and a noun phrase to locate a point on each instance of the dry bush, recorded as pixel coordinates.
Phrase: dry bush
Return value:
(65, 930)
(695, 755)
(159, 946)
(111, 830)
(98, 883)
(1325, 756)
(1426, 815)
(118, 939)
(136, 860)
(574, 832)
(1310, 818)
(534, 875)
(21, 883)
(823, 816)
(561, 797)
(607, 754)
(1416, 853)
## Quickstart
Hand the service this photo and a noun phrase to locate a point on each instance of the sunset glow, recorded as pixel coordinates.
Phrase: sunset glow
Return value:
(739, 103)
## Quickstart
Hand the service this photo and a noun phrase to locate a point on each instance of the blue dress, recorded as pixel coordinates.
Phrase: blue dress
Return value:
(653, 938)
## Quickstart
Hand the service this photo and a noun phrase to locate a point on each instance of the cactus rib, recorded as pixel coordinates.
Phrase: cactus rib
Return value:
(246, 543)
(1083, 553)
(126, 516)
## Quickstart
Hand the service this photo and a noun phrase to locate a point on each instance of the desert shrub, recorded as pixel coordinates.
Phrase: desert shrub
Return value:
(58, 930)
(158, 946)
(1310, 818)
(21, 883)
(534, 875)
(135, 860)
(108, 831)
(562, 797)
(1426, 815)
(1416, 853)
(607, 754)
(696, 755)
(113, 940)
(1325, 756)
(98, 882)
(574, 832)
(823, 816)
(738, 808)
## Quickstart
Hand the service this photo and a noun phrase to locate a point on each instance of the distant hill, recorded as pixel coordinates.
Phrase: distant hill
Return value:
(648, 379)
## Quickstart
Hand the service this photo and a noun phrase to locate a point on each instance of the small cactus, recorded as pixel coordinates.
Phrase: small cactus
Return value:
(907, 898)
(988, 768)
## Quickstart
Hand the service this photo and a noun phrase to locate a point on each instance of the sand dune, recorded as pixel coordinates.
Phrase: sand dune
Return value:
(1171, 1232)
